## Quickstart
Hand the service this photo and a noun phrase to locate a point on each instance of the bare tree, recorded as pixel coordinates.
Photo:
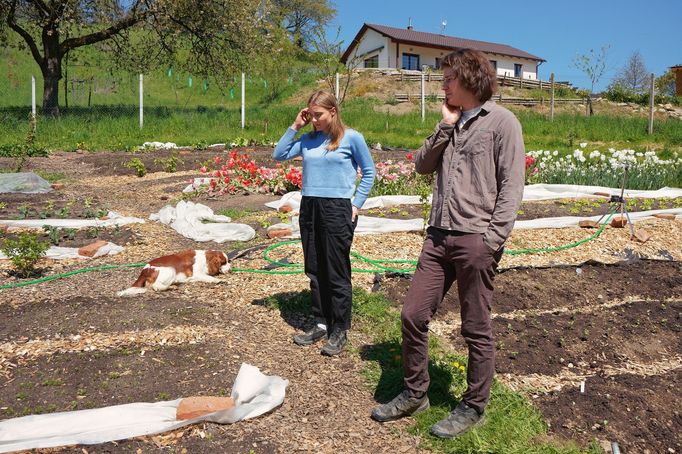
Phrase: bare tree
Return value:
(211, 37)
(593, 64)
(634, 77)
(328, 58)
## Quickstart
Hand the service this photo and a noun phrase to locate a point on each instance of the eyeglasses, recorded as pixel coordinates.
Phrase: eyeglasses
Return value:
(447, 80)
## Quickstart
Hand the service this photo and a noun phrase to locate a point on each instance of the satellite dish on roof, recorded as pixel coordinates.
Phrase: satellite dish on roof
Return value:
(443, 24)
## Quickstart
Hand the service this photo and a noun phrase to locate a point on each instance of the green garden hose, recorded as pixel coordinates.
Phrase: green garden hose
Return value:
(378, 265)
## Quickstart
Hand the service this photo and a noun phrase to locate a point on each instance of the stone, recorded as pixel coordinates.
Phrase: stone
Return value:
(641, 236)
(666, 216)
(4, 229)
(588, 224)
(279, 233)
(619, 222)
(602, 194)
(91, 249)
(57, 186)
(195, 406)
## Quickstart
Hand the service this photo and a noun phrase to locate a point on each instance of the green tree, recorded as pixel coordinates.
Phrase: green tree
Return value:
(213, 38)
(301, 18)
(665, 85)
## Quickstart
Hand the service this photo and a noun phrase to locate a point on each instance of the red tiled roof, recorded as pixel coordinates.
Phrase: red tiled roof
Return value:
(441, 41)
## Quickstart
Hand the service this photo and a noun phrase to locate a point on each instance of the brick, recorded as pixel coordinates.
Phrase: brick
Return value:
(641, 236)
(588, 224)
(91, 249)
(57, 186)
(279, 233)
(193, 407)
(602, 194)
(667, 216)
(619, 221)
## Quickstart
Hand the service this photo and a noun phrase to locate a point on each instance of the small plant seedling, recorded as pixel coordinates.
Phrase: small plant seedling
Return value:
(137, 165)
(53, 233)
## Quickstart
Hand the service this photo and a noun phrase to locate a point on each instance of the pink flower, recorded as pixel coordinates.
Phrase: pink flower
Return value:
(203, 169)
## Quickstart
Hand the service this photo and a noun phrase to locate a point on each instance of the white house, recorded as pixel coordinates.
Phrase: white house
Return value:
(379, 46)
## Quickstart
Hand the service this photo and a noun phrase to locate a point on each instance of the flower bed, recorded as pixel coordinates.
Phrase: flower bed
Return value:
(645, 169)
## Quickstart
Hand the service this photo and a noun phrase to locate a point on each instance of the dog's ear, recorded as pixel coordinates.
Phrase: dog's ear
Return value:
(214, 261)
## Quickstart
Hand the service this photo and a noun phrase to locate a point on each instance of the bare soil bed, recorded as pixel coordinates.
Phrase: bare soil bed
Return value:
(72, 344)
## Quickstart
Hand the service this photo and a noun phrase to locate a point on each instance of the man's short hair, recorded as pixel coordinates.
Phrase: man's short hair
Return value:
(474, 71)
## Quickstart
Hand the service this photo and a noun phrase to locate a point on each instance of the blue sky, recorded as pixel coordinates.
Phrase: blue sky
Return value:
(555, 31)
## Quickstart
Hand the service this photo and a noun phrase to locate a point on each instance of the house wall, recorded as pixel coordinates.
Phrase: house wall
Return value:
(370, 41)
(505, 66)
(427, 56)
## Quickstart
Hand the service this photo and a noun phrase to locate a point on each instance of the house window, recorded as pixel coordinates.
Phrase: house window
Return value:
(517, 70)
(372, 62)
(410, 61)
(438, 62)
(494, 63)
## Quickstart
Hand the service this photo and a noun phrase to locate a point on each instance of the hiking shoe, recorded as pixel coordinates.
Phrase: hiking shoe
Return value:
(401, 405)
(336, 343)
(311, 336)
(459, 421)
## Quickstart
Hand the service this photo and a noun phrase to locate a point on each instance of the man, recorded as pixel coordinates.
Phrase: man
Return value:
(478, 155)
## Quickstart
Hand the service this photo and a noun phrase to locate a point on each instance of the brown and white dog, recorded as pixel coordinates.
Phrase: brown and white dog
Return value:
(184, 266)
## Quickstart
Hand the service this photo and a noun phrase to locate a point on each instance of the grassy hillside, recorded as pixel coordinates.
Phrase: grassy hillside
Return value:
(102, 111)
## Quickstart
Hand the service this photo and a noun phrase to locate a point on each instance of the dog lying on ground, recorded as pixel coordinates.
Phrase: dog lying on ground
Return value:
(184, 266)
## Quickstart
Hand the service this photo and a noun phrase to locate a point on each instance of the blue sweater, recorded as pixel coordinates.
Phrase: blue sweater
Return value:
(330, 173)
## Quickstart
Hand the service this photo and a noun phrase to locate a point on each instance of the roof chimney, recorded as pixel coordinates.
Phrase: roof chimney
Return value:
(409, 24)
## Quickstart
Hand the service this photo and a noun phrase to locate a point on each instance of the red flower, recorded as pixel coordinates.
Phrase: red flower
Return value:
(217, 160)
(409, 156)
(203, 169)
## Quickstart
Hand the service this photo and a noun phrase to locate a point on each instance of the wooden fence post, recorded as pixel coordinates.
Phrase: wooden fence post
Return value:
(651, 105)
(551, 97)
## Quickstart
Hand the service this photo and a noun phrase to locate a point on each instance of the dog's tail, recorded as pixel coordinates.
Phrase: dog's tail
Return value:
(138, 286)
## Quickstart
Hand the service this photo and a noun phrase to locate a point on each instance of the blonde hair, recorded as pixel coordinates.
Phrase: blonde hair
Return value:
(336, 127)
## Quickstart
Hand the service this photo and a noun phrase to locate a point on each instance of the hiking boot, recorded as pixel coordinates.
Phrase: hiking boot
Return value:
(311, 336)
(401, 405)
(459, 421)
(336, 343)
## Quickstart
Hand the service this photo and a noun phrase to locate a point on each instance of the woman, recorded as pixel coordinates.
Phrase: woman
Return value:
(332, 154)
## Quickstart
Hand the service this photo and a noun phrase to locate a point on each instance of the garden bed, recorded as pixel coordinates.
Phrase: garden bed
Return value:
(563, 325)
(71, 344)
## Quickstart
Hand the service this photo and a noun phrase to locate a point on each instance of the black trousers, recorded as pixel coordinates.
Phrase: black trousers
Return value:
(327, 234)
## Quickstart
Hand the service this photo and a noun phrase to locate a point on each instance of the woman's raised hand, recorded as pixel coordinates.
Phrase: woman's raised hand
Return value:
(302, 119)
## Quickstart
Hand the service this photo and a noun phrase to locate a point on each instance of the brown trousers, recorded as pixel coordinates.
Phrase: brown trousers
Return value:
(446, 256)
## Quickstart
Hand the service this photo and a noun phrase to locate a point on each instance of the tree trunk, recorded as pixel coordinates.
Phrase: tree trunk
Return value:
(51, 67)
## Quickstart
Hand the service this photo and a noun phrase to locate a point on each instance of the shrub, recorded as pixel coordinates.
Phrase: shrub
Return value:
(24, 252)
(170, 164)
(138, 166)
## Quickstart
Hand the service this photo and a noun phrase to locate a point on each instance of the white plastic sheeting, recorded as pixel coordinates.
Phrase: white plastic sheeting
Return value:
(569, 191)
(253, 392)
(60, 253)
(114, 220)
(293, 199)
(24, 182)
(187, 218)
(367, 225)
(572, 221)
